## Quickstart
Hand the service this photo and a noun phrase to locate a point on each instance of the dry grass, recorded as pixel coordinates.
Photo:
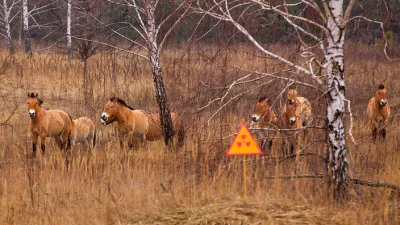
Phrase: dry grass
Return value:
(196, 184)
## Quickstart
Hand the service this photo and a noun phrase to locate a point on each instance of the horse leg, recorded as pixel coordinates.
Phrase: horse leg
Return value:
(130, 140)
(43, 142)
(34, 143)
(383, 133)
(374, 133)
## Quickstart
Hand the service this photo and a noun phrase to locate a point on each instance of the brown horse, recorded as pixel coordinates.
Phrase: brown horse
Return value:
(303, 107)
(263, 117)
(48, 123)
(84, 131)
(379, 111)
(133, 124)
(288, 122)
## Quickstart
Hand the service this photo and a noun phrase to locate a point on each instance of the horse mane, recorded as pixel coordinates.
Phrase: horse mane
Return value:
(262, 99)
(292, 87)
(120, 101)
(381, 86)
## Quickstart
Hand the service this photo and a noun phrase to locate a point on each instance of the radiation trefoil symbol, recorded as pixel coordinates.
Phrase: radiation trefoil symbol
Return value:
(244, 144)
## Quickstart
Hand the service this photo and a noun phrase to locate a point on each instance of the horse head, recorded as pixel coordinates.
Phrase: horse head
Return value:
(260, 109)
(290, 115)
(33, 104)
(109, 112)
(381, 96)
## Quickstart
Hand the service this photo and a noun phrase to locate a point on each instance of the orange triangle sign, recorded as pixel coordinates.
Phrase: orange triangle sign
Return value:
(244, 144)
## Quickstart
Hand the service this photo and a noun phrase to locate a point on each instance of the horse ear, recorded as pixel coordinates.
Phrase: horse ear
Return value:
(381, 86)
(29, 94)
(37, 95)
(263, 99)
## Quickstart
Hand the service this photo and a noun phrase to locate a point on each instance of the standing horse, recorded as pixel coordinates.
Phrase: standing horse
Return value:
(48, 123)
(303, 110)
(379, 111)
(263, 117)
(289, 121)
(132, 123)
(84, 131)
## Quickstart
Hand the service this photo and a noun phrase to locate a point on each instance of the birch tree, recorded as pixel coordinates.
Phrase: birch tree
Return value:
(69, 39)
(325, 34)
(152, 26)
(25, 21)
(7, 15)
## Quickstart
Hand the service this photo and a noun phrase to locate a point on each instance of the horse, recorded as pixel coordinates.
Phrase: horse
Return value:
(132, 123)
(84, 131)
(303, 110)
(378, 111)
(303, 107)
(263, 117)
(288, 122)
(48, 123)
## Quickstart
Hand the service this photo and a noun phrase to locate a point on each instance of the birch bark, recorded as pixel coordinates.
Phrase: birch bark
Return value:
(338, 164)
(154, 55)
(25, 18)
(7, 22)
(69, 40)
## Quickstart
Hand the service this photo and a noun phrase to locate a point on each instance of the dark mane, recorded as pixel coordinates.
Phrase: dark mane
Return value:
(292, 87)
(381, 86)
(120, 101)
(262, 99)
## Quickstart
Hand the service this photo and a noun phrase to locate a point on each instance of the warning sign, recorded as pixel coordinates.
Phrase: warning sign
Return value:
(244, 144)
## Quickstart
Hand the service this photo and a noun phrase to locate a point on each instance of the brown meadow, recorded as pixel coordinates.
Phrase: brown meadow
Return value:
(196, 184)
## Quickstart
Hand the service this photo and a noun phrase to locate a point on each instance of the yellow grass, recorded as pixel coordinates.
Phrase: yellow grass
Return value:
(196, 184)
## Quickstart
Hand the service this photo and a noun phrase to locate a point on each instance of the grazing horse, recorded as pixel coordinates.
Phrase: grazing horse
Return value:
(132, 123)
(288, 121)
(379, 111)
(48, 123)
(263, 117)
(84, 131)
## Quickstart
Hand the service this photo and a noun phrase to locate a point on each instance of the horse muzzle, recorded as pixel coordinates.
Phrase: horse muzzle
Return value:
(292, 121)
(32, 113)
(255, 118)
(383, 103)
(104, 118)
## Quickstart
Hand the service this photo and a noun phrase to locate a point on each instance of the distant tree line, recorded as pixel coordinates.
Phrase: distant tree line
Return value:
(47, 21)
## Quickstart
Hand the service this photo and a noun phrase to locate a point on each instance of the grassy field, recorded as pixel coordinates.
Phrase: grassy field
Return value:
(196, 184)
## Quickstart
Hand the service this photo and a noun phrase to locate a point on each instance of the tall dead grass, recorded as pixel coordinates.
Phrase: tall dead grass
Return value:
(196, 184)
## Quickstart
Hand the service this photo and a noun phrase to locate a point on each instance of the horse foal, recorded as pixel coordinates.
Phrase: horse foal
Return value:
(378, 112)
(48, 123)
(84, 131)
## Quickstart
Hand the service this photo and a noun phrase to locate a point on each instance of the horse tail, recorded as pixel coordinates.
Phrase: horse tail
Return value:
(94, 137)
(181, 136)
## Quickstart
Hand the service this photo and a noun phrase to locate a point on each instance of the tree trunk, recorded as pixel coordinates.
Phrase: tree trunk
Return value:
(7, 26)
(69, 41)
(338, 164)
(161, 95)
(25, 16)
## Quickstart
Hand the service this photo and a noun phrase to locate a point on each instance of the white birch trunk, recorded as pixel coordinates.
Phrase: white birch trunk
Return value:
(338, 164)
(25, 18)
(154, 55)
(69, 41)
(7, 26)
